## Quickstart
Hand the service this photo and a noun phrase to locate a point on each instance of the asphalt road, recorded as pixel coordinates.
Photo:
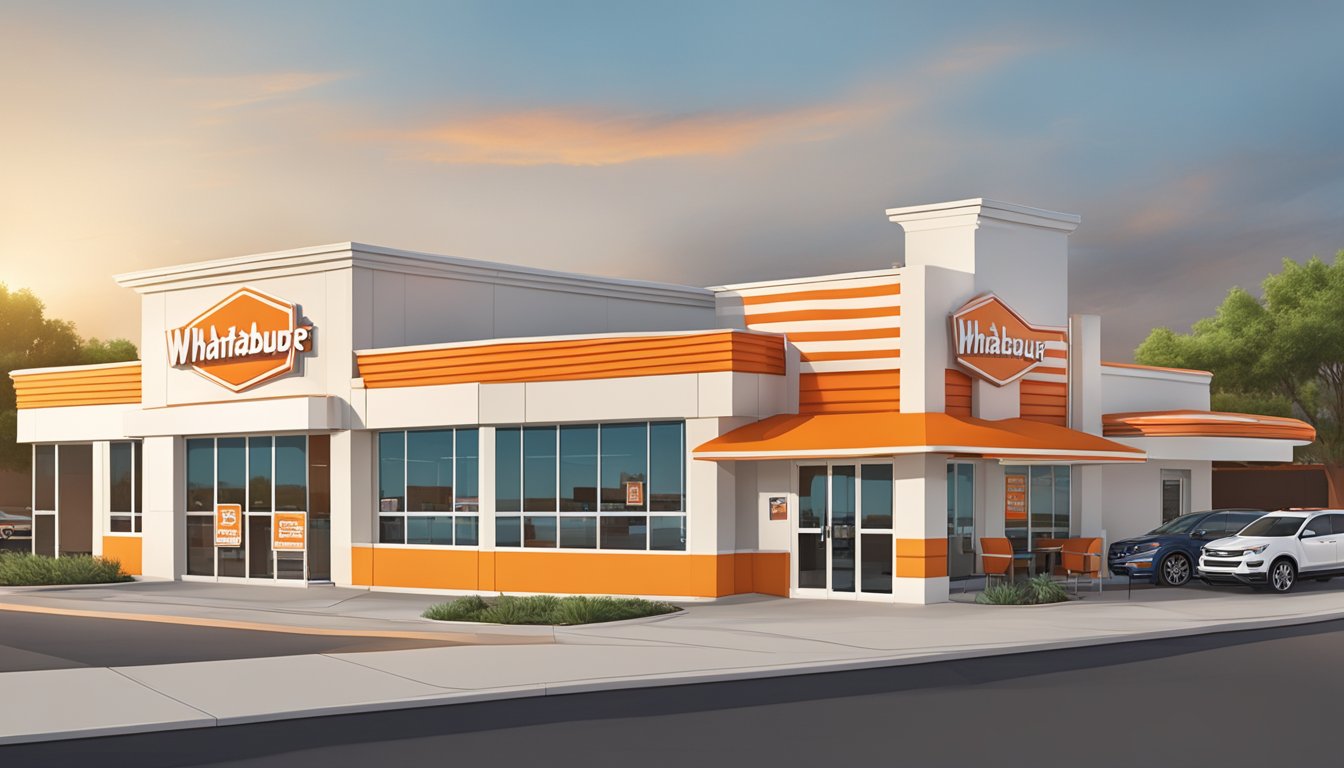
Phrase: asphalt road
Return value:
(1268, 697)
(31, 641)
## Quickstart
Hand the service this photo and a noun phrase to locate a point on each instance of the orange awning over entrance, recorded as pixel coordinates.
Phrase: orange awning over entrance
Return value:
(857, 435)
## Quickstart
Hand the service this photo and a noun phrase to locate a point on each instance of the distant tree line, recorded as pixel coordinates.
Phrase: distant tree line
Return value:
(30, 339)
(1279, 354)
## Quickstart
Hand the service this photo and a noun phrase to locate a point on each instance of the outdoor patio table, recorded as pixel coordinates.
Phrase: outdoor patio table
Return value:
(1051, 556)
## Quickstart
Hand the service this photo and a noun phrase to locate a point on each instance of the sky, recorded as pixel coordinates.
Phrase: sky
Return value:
(690, 142)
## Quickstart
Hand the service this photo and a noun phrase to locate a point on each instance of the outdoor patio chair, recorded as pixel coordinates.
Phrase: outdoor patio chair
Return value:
(998, 559)
(1082, 557)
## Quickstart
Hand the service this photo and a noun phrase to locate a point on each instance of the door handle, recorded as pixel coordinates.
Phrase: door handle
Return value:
(825, 532)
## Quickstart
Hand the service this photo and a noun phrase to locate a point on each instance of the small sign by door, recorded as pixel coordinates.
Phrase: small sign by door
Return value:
(779, 508)
(228, 525)
(289, 531)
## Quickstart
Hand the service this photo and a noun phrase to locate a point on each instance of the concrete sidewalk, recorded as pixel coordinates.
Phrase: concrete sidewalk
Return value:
(730, 639)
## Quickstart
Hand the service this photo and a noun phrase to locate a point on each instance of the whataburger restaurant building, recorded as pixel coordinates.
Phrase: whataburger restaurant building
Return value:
(372, 417)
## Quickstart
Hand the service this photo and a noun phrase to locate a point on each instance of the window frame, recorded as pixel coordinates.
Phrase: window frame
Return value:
(135, 515)
(518, 519)
(457, 516)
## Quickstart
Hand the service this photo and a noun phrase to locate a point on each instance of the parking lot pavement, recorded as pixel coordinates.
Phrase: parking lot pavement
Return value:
(741, 638)
(39, 641)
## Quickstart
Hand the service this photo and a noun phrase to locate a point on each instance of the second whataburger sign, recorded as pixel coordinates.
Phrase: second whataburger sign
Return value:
(997, 344)
(246, 339)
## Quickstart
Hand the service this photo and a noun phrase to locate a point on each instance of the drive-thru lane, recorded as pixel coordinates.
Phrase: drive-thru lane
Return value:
(32, 641)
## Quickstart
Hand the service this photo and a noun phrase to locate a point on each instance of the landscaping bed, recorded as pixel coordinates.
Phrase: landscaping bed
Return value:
(546, 609)
(23, 569)
(1038, 590)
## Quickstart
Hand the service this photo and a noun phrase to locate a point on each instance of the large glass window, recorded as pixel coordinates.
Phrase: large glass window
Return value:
(426, 482)
(124, 478)
(201, 476)
(291, 473)
(44, 478)
(591, 486)
(1047, 503)
(259, 474)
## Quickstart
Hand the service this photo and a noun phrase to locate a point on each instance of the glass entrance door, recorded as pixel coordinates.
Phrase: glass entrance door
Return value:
(844, 538)
(273, 479)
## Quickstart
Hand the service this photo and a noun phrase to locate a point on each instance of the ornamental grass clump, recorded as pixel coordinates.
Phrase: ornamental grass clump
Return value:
(1043, 589)
(546, 609)
(1038, 590)
(22, 569)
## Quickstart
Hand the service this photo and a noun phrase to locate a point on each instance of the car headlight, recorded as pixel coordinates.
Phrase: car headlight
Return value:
(1147, 547)
(1256, 550)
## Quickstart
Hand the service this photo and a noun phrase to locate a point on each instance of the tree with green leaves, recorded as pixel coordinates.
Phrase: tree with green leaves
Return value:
(1281, 354)
(29, 339)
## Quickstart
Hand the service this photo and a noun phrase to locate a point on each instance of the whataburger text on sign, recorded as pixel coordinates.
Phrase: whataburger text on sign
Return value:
(247, 338)
(996, 344)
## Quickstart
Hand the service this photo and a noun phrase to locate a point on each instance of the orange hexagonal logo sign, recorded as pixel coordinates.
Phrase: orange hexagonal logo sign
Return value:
(246, 339)
(996, 344)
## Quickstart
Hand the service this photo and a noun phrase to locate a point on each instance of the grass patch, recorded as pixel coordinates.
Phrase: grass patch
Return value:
(22, 569)
(1037, 590)
(546, 609)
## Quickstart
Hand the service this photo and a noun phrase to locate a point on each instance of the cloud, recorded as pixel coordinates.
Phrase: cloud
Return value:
(590, 137)
(229, 92)
(593, 137)
(978, 57)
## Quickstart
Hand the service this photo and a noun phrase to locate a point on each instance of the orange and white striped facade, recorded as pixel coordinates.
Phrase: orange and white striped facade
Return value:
(805, 437)
(847, 330)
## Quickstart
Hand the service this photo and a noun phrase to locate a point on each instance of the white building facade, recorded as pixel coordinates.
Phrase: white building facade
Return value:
(370, 417)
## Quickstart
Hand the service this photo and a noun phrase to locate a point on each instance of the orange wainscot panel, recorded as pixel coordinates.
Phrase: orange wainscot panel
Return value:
(744, 573)
(421, 568)
(127, 550)
(361, 566)
(485, 571)
(921, 558)
(770, 573)
(607, 573)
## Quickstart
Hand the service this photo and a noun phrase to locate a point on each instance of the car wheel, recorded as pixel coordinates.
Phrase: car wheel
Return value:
(1282, 575)
(5, 533)
(1175, 570)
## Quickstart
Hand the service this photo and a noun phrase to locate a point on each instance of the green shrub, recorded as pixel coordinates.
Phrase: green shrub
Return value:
(1006, 593)
(546, 609)
(1037, 590)
(461, 609)
(21, 569)
(1042, 589)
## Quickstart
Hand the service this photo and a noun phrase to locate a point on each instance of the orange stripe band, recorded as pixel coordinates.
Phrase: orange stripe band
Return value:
(575, 359)
(81, 385)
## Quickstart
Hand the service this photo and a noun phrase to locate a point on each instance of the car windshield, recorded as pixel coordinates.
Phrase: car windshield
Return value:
(1272, 525)
(1182, 524)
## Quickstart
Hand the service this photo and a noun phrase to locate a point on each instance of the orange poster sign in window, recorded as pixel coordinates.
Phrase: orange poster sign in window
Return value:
(996, 344)
(228, 525)
(634, 493)
(289, 531)
(1015, 497)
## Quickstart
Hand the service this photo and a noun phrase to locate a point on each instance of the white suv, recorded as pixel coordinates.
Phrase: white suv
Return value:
(1275, 549)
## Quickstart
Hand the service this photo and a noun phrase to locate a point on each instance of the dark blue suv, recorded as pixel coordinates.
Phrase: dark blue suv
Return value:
(1168, 554)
